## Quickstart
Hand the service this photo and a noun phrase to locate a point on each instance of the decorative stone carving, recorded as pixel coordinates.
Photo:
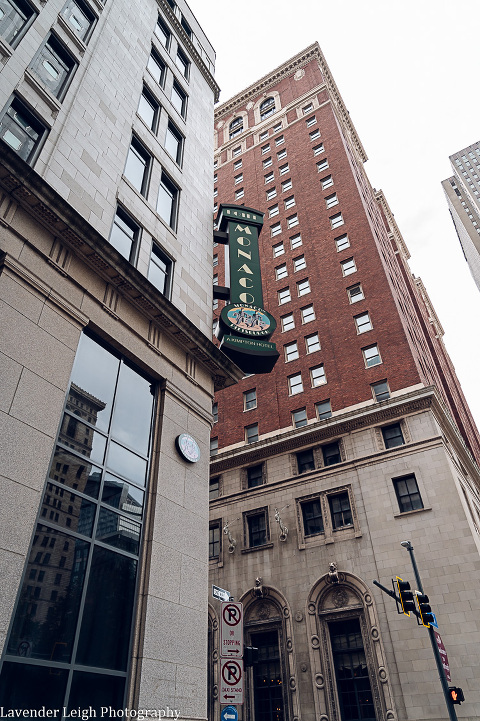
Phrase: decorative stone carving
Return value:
(340, 598)
(374, 633)
(382, 673)
(292, 683)
(319, 680)
(333, 573)
(311, 609)
(299, 74)
(258, 588)
(249, 105)
(298, 616)
(283, 528)
(231, 541)
(315, 641)
(303, 667)
(289, 645)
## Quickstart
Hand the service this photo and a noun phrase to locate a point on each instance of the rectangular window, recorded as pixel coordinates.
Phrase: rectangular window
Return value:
(336, 221)
(278, 249)
(277, 127)
(281, 272)
(287, 322)
(380, 391)
(238, 179)
(213, 446)
(162, 33)
(174, 143)
(265, 149)
(340, 510)
(307, 313)
(257, 529)
(291, 352)
(305, 461)
(179, 100)
(15, 19)
(54, 66)
(214, 541)
(371, 356)
(275, 230)
(159, 270)
(392, 435)
(283, 169)
(215, 192)
(149, 110)
(186, 27)
(292, 221)
(331, 453)
(156, 67)
(137, 167)
(342, 242)
(251, 433)
(322, 165)
(363, 323)
(408, 495)
(348, 266)
(236, 151)
(268, 178)
(239, 193)
(124, 234)
(307, 109)
(286, 185)
(331, 200)
(318, 150)
(295, 384)
(317, 376)
(312, 517)
(215, 261)
(22, 131)
(303, 287)
(238, 164)
(267, 162)
(312, 343)
(250, 399)
(323, 409)
(167, 202)
(326, 182)
(281, 154)
(182, 63)
(299, 418)
(311, 121)
(79, 17)
(215, 412)
(289, 202)
(299, 263)
(255, 476)
(315, 134)
(271, 194)
(279, 140)
(295, 241)
(272, 211)
(263, 135)
(355, 293)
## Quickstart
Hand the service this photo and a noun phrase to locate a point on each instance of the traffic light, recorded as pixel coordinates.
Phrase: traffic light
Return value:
(250, 656)
(425, 609)
(456, 694)
(406, 596)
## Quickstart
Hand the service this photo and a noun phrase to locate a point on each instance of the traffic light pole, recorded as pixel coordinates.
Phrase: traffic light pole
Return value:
(441, 671)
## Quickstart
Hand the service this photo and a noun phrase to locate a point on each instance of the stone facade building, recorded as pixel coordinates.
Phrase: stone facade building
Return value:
(359, 439)
(106, 113)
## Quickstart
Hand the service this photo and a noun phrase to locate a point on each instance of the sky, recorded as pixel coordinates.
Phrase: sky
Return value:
(402, 70)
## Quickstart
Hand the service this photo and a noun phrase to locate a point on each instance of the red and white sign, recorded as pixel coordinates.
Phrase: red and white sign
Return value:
(231, 680)
(443, 654)
(231, 630)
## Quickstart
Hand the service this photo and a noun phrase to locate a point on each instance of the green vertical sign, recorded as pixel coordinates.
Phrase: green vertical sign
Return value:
(245, 278)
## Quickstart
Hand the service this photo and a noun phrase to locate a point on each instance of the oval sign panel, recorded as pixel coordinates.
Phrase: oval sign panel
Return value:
(188, 447)
(248, 319)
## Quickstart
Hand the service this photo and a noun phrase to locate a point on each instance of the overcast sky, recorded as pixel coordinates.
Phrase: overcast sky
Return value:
(408, 74)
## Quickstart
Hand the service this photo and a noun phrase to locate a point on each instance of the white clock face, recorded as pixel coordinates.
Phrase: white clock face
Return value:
(188, 447)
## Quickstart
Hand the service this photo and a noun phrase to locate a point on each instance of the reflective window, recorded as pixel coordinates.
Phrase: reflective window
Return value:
(149, 109)
(54, 66)
(381, 391)
(167, 201)
(340, 509)
(267, 108)
(179, 100)
(331, 453)
(214, 541)
(22, 130)
(159, 270)
(267, 677)
(182, 63)
(174, 143)
(255, 476)
(137, 166)
(392, 435)
(80, 18)
(351, 672)
(408, 495)
(156, 67)
(299, 418)
(312, 517)
(257, 529)
(124, 234)
(15, 18)
(236, 127)
(163, 33)
(251, 433)
(305, 461)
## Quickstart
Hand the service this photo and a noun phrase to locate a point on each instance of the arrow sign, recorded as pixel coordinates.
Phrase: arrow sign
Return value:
(231, 630)
(229, 713)
(220, 593)
(231, 680)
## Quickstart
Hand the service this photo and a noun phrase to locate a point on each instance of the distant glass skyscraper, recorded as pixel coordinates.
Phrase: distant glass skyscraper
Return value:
(463, 197)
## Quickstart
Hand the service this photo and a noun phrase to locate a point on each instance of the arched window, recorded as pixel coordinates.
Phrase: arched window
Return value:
(267, 108)
(236, 127)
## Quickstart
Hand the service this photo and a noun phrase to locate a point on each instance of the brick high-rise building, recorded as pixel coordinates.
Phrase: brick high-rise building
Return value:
(108, 366)
(462, 191)
(359, 439)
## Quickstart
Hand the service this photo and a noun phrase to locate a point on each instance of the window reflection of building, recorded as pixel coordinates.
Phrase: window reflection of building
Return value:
(267, 677)
(351, 672)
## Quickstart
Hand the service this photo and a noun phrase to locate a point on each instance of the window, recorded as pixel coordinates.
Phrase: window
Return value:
(124, 234)
(371, 356)
(408, 495)
(272, 193)
(263, 135)
(289, 202)
(257, 529)
(279, 140)
(281, 154)
(340, 510)
(275, 229)
(311, 121)
(292, 221)
(162, 33)
(284, 296)
(15, 19)
(267, 108)
(156, 67)
(336, 221)
(307, 109)
(269, 177)
(295, 384)
(281, 272)
(272, 211)
(238, 179)
(312, 343)
(255, 476)
(267, 162)
(315, 134)
(303, 287)
(186, 27)
(291, 353)
(54, 66)
(322, 164)
(299, 263)
(238, 164)
(284, 169)
(307, 313)
(295, 241)
(305, 461)
(317, 376)
(342, 242)
(363, 323)
(286, 185)
(323, 409)
(381, 391)
(179, 100)
(331, 200)
(355, 293)
(250, 399)
(265, 148)
(348, 266)
(213, 446)
(214, 541)
(331, 453)
(278, 249)
(215, 412)
(251, 433)
(351, 670)
(235, 128)
(159, 270)
(174, 143)
(239, 193)
(22, 131)
(149, 110)
(318, 150)
(182, 63)
(167, 201)
(312, 517)
(79, 17)
(299, 418)
(215, 192)
(215, 261)
(326, 182)
(214, 488)
(236, 151)
(137, 167)
(393, 436)
(277, 127)
(287, 322)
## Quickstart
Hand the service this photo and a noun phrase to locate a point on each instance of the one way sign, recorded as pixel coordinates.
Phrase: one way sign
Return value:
(231, 680)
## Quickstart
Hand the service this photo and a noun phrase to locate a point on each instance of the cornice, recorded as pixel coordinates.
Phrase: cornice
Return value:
(399, 241)
(44, 204)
